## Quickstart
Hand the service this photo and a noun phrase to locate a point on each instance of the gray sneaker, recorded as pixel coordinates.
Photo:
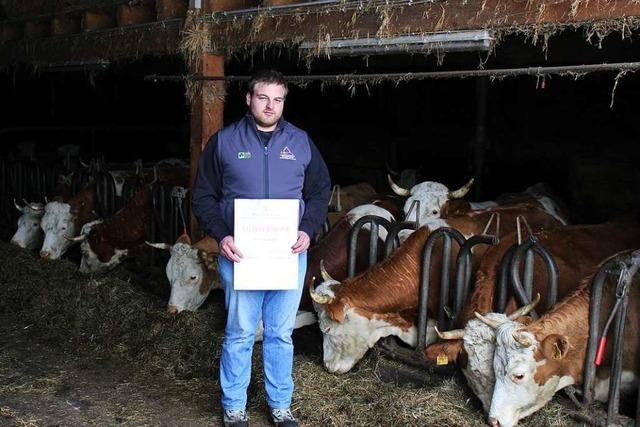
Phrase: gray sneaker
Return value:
(283, 418)
(235, 418)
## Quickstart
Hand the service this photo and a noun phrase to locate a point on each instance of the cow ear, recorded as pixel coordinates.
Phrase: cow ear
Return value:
(555, 347)
(184, 238)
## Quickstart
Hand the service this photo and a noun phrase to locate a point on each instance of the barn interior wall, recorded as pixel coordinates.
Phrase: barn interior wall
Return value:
(562, 131)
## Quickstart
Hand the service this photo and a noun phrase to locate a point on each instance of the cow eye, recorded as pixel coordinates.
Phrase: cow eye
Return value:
(63, 228)
(518, 377)
(192, 278)
(434, 212)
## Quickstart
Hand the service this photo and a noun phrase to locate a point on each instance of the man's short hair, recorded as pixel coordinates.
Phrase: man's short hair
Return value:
(268, 77)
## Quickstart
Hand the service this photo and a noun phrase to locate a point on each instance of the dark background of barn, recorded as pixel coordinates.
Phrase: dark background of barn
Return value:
(565, 134)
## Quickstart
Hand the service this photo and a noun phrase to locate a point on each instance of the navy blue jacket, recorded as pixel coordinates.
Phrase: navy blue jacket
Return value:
(235, 164)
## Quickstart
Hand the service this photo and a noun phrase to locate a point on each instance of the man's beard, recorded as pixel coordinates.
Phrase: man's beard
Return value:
(268, 122)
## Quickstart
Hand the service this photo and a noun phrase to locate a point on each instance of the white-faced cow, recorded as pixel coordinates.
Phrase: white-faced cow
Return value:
(532, 362)
(383, 300)
(191, 271)
(62, 221)
(433, 197)
(29, 235)
(577, 250)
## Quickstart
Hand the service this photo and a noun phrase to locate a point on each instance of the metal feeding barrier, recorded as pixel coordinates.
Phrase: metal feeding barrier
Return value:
(374, 222)
(625, 268)
(447, 315)
(105, 190)
(132, 184)
(510, 268)
(169, 206)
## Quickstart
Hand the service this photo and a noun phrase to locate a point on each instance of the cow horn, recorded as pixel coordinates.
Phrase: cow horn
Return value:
(523, 311)
(36, 207)
(522, 339)
(319, 298)
(323, 272)
(76, 239)
(456, 334)
(163, 246)
(21, 209)
(462, 191)
(396, 188)
(489, 322)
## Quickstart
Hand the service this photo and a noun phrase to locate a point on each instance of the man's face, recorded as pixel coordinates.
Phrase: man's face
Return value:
(266, 104)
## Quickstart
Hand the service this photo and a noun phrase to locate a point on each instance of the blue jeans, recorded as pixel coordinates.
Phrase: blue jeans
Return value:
(244, 308)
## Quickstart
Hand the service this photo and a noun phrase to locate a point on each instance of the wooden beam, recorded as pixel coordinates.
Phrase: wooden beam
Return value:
(328, 21)
(206, 118)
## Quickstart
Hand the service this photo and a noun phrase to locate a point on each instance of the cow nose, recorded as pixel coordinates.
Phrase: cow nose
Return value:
(172, 309)
(45, 254)
(493, 422)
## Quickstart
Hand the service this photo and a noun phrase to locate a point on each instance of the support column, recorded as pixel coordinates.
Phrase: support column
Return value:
(480, 145)
(207, 110)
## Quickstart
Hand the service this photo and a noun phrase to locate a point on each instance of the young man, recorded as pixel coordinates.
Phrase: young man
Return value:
(259, 157)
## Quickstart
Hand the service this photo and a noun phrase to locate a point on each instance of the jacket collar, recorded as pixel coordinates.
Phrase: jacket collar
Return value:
(282, 123)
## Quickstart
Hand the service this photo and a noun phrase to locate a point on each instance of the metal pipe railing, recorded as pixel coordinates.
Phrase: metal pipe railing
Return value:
(374, 221)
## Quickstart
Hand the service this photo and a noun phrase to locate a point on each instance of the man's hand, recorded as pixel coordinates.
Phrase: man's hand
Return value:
(302, 244)
(229, 250)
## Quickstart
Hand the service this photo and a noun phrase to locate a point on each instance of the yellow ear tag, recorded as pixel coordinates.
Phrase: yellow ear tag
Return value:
(442, 359)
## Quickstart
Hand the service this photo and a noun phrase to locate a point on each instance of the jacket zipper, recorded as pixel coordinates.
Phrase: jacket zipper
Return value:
(266, 172)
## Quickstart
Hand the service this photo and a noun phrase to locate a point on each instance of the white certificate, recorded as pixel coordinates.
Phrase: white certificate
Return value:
(264, 231)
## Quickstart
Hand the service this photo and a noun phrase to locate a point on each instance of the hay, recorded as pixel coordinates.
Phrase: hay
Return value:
(119, 321)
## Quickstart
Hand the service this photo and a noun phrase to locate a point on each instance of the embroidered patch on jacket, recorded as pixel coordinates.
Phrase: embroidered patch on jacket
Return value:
(286, 154)
(244, 155)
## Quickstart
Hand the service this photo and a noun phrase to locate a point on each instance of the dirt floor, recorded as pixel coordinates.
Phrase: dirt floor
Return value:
(84, 350)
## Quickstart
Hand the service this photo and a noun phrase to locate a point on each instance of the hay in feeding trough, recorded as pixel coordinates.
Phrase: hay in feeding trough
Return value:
(119, 321)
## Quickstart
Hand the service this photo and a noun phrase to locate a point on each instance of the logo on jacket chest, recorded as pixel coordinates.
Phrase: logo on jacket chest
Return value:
(244, 155)
(286, 154)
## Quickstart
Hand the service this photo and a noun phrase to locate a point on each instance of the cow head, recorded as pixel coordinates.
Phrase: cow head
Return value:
(29, 234)
(432, 197)
(527, 371)
(479, 342)
(347, 331)
(90, 262)
(59, 225)
(191, 274)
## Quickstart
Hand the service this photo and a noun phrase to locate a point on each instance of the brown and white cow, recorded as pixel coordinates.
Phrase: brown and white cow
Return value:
(63, 220)
(106, 244)
(532, 362)
(334, 247)
(383, 300)
(29, 235)
(577, 250)
(191, 271)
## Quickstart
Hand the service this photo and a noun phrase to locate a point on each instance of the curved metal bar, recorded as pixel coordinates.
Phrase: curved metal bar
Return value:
(393, 241)
(552, 272)
(353, 240)
(463, 269)
(503, 279)
(595, 303)
(105, 194)
(425, 282)
(160, 199)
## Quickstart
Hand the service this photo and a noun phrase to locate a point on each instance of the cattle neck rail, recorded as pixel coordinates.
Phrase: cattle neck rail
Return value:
(446, 315)
(625, 267)
(105, 191)
(510, 267)
(132, 184)
(392, 241)
(168, 204)
(375, 223)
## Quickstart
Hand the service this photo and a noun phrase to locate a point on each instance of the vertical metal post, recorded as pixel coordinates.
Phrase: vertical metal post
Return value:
(616, 369)
(443, 321)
